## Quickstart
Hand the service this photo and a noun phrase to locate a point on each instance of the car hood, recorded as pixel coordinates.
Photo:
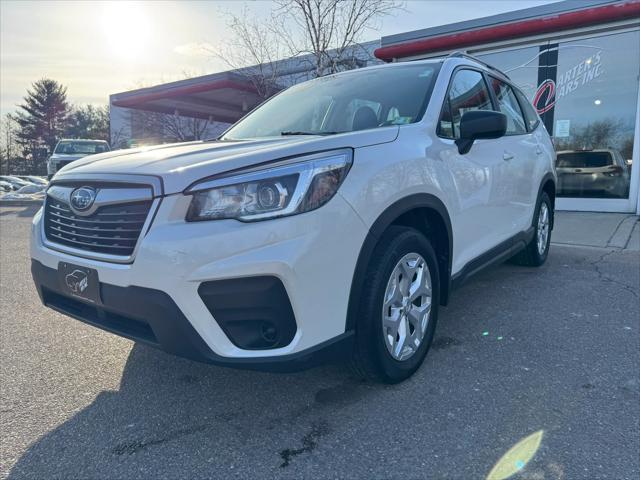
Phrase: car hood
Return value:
(180, 165)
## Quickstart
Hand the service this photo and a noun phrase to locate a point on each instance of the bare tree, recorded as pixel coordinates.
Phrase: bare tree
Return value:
(9, 148)
(330, 30)
(156, 127)
(254, 51)
(324, 35)
(182, 129)
(118, 138)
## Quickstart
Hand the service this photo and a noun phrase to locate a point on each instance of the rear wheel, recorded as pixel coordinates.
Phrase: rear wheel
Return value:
(399, 309)
(537, 250)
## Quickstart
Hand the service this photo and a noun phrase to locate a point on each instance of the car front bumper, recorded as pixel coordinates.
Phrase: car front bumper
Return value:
(158, 298)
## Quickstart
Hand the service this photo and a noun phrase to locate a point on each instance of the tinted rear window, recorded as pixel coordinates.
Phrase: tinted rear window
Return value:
(584, 160)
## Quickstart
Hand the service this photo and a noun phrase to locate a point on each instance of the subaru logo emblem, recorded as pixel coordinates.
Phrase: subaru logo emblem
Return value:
(82, 198)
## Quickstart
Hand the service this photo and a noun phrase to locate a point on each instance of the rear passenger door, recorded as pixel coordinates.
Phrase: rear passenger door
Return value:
(519, 155)
(484, 215)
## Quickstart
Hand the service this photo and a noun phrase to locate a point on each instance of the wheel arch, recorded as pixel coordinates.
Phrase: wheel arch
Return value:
(548, 185)
(424, 212)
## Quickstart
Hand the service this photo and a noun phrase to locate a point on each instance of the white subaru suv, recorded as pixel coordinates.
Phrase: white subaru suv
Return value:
(328, 224)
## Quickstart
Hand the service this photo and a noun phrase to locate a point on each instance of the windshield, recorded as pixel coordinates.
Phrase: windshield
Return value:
(356, 100)
(70, 147)
(584, 160)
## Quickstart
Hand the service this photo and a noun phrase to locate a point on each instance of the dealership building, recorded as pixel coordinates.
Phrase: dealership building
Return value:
(577, 61)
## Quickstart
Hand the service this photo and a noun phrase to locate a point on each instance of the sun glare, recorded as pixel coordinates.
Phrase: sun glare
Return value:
(127, 29)
(517, 457)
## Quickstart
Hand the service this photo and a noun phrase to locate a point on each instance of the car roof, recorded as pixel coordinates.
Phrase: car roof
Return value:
(466, 59)
(430, 61)
(459, 58)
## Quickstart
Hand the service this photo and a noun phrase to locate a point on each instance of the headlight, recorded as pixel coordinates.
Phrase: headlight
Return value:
(287, 188)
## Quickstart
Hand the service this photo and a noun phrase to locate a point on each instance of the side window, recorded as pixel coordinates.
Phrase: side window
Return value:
(530, 114)
(445, 127)
(508, 104)
(468, 91)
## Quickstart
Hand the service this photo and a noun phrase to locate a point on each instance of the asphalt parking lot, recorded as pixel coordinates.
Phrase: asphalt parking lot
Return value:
(554, 350)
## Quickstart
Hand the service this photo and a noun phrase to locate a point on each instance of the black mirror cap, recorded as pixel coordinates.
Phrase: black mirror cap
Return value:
(478, 124)
(483, 124)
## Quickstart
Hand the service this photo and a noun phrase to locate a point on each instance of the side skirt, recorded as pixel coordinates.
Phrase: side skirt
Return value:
(497, 254)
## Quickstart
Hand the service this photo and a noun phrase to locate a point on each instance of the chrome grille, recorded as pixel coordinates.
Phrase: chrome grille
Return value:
(111, 229)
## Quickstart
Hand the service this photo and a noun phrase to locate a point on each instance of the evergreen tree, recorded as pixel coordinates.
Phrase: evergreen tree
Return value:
(42, 119)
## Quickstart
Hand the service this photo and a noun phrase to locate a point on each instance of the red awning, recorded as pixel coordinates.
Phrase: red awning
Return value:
(545, 24)
(223, 97)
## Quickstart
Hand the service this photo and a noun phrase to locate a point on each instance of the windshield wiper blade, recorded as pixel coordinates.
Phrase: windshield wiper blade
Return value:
(307, 133)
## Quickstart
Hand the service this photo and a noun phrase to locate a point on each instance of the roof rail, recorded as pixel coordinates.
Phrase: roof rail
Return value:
(475, 59)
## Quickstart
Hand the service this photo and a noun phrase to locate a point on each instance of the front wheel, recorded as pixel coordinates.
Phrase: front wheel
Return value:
(537, 250)
(398, 312)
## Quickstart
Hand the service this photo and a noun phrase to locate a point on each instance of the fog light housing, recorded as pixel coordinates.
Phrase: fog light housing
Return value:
(255, 312)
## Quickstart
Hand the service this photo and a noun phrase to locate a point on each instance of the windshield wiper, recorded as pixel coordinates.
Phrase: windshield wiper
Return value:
(287, 133)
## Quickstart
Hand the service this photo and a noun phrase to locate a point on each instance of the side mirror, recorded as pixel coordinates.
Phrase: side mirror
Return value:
(480, 124)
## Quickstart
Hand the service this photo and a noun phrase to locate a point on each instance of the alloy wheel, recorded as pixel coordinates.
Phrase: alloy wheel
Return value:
(542, 231)
(407, 306)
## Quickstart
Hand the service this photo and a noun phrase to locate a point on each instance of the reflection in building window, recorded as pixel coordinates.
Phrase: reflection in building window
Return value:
(586, 92)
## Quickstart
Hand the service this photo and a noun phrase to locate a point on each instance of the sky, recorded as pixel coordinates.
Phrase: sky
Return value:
(99, 48)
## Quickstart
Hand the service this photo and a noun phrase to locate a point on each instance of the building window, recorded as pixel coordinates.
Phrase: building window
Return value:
(586, 92)
(596, 93)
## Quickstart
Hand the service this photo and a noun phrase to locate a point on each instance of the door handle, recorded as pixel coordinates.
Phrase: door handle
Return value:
(538, 150)
(507, 156)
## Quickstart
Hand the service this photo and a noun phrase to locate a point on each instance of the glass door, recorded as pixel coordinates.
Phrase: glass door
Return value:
(586, 91)
(594, 122)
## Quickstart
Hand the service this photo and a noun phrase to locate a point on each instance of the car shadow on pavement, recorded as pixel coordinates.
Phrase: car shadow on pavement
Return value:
(169, 404)
(513, 359)
(174, 418)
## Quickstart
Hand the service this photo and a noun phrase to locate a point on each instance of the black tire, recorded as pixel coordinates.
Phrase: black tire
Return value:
(372, 361)
(531, 256)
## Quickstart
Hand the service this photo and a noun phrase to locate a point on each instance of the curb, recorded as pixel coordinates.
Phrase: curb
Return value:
(621, 236)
